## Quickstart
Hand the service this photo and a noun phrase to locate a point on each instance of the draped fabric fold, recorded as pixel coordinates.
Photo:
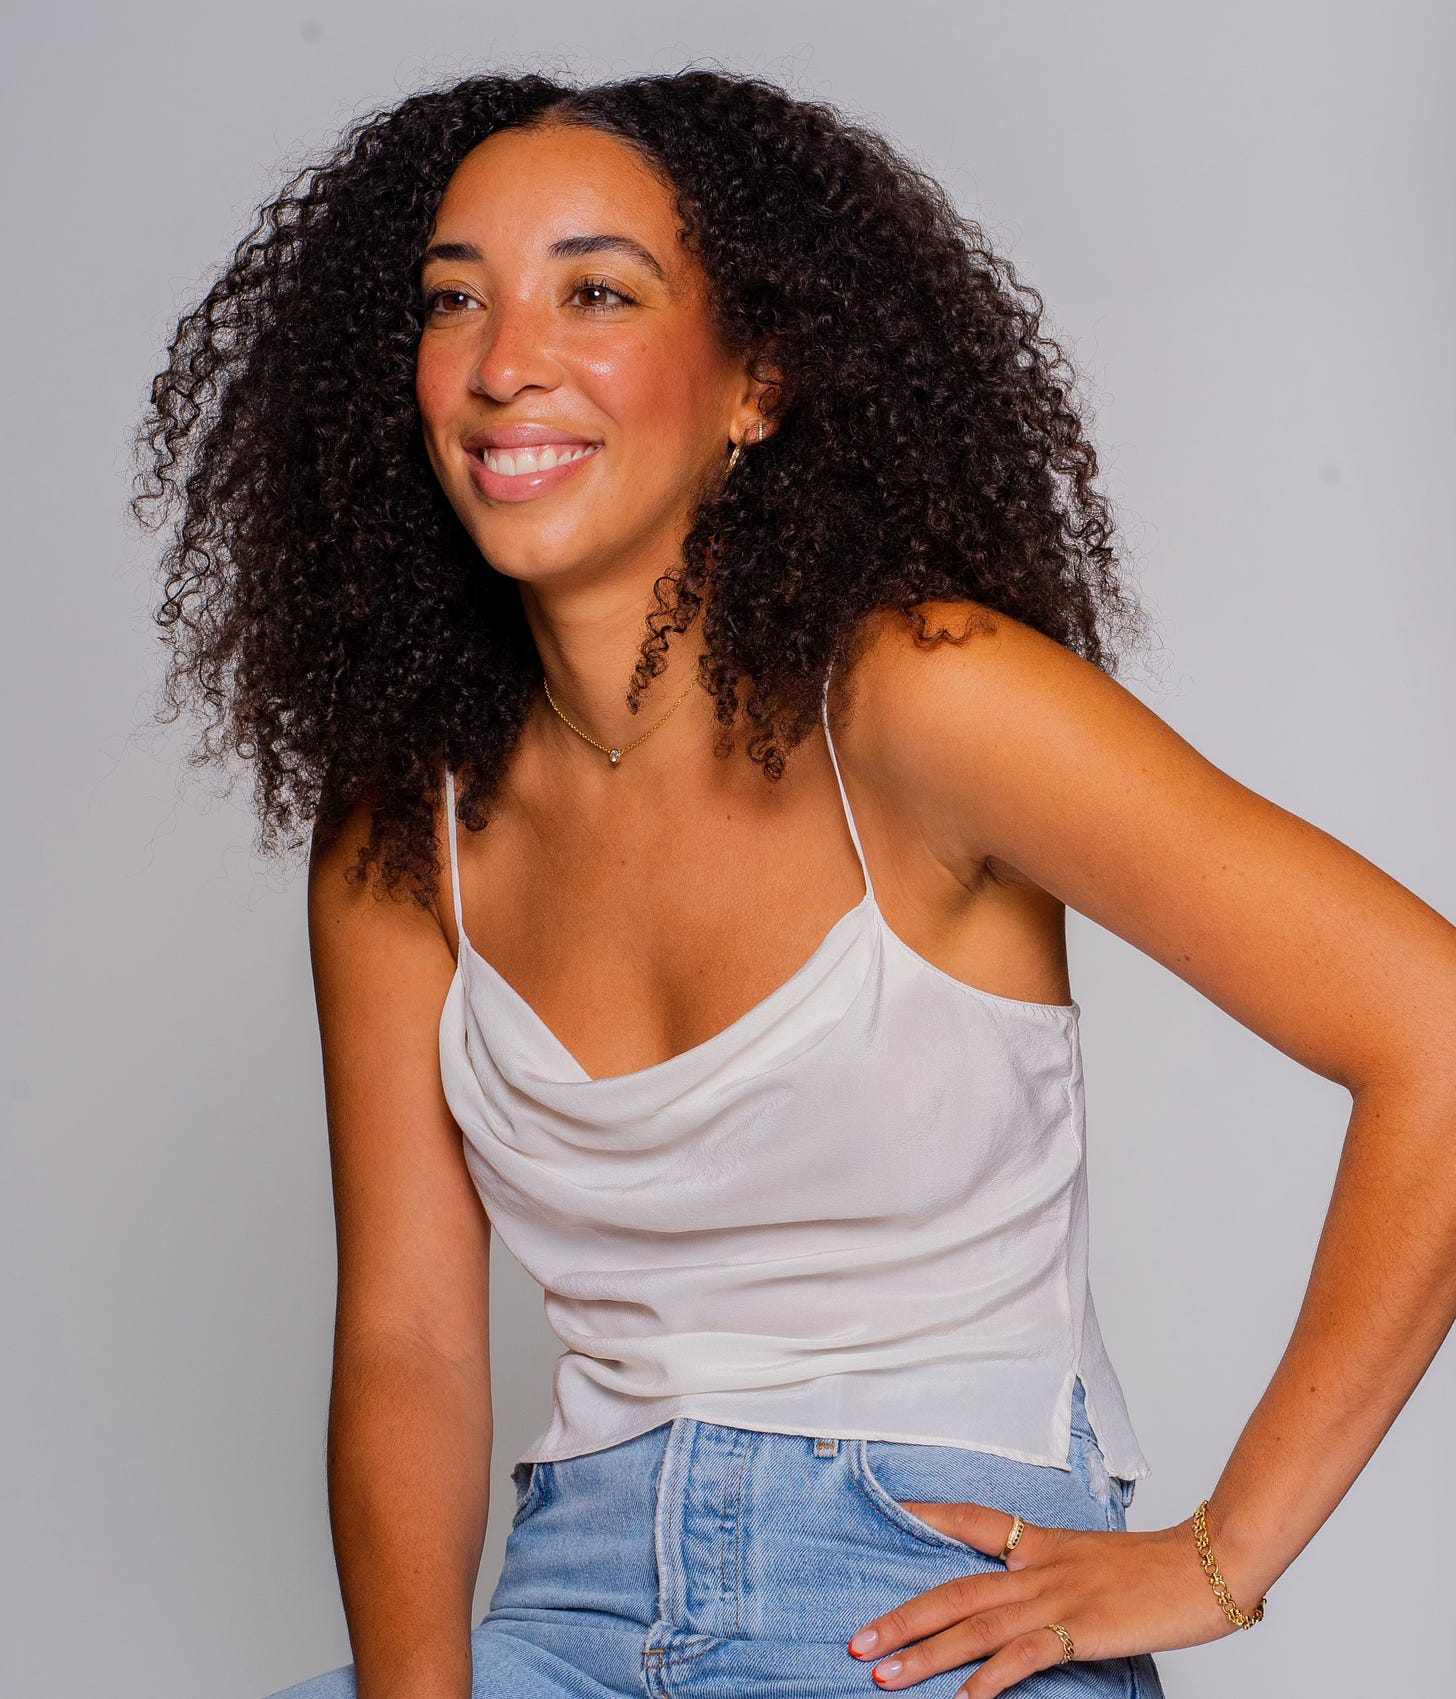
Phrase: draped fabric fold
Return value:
(861, 1209)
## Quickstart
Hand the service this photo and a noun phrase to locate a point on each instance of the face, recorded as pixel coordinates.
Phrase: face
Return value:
(562, 312)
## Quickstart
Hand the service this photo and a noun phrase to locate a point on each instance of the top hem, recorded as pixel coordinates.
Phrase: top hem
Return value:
(533, 1454)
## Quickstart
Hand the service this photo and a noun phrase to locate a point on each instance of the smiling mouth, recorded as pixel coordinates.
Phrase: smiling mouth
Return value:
(521, 462)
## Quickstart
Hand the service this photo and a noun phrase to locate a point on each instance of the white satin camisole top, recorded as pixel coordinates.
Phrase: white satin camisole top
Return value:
(860, 1210)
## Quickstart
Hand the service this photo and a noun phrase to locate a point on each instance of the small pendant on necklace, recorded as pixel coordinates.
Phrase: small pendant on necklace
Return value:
(614, 756)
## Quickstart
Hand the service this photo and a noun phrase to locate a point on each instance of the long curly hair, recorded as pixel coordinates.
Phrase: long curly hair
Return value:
(331, 620)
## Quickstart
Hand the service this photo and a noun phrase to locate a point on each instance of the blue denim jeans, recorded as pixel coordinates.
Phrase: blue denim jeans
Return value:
(701, 1561)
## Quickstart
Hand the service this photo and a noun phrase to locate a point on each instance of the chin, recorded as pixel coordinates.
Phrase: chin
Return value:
(529, 567)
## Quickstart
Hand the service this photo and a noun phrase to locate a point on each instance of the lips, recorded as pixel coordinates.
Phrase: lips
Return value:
(525, 435)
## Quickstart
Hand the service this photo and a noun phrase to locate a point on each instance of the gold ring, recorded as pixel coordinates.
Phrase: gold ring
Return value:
(1017, 1527)
(1065, 1638)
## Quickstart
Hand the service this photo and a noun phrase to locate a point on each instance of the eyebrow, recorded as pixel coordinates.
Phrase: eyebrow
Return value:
(568, 247)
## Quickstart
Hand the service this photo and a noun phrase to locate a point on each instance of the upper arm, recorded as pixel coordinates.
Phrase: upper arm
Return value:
(413, 1237)
(1018, 749)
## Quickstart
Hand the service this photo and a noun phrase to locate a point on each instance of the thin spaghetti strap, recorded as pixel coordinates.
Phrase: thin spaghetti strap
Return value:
(454, 856)
(844, 798)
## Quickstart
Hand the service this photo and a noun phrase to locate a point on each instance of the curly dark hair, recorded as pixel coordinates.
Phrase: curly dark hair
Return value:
(328, 613)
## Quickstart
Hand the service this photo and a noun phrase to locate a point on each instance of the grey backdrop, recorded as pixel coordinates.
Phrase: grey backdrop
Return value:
(1242, 220)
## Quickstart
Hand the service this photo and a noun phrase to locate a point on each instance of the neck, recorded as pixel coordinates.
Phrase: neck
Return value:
(588, 657)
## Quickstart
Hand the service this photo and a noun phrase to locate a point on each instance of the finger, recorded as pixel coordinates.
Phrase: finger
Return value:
(922, 1632)
(965, 1642)
(978, 1525)
(1024, 1655)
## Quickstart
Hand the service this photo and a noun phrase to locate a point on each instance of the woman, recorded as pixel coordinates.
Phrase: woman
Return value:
(775, 1087)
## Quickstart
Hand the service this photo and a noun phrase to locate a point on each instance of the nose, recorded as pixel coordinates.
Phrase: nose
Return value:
(515, 355)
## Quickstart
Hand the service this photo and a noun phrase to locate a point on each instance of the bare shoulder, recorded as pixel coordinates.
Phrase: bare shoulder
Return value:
(920, 707)
(1006, 745)
(335, 895)
(969, 650)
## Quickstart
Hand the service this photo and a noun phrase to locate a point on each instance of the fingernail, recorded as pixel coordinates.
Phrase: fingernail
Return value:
(888, 1670)
(865, 1641)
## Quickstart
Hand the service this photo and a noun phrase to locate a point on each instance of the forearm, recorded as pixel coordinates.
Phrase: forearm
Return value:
(409, 1448)
(1381, 1299)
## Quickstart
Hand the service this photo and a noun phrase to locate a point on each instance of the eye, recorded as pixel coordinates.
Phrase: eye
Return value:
(433, 297)
(601, 286)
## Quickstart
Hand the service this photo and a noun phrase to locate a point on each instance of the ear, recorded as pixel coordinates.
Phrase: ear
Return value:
(768, 391)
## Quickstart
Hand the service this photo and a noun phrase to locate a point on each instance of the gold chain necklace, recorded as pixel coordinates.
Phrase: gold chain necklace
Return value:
(612, 755)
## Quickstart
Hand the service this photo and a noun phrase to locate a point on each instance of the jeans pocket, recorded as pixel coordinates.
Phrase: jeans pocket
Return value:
(885, 1471)
(530, 1481)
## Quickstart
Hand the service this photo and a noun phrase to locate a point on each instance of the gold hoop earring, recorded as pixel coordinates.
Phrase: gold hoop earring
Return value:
(738, 450)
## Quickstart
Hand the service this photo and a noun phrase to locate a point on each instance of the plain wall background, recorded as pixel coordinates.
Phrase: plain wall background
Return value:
(1242, 221)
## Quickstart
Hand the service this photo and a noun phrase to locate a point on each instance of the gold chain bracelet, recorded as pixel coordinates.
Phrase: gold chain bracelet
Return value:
(1210, 1568)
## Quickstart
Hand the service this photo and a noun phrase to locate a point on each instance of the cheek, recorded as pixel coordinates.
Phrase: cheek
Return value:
(431, 389)
(655, 395)
(433, 396)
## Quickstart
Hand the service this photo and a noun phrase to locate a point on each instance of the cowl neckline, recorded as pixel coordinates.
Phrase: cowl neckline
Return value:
(506, 1036)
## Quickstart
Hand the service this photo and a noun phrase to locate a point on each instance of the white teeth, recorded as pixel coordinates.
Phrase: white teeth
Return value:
(523, 460)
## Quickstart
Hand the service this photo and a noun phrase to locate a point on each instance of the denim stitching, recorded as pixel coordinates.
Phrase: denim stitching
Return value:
(886, 1505)
(531, 1494)
(742, 1445)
